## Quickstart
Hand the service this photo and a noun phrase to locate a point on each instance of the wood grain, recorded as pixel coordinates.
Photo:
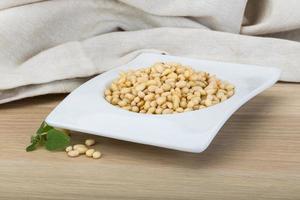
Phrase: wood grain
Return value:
(256, 155)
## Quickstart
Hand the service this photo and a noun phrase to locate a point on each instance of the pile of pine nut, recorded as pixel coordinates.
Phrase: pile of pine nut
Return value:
(166, 88)
(79, 149)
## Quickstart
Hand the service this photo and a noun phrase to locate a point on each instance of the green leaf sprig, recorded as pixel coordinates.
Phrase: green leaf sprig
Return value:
(53, 139)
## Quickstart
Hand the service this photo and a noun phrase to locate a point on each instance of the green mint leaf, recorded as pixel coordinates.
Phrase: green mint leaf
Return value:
(33, 138)
(44, 128)
(33, 145)
(51, 138)
(43, 139)
(56, 140)
(34, 142)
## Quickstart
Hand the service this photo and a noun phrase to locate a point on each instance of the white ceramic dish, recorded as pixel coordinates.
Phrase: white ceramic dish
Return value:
(86, 110)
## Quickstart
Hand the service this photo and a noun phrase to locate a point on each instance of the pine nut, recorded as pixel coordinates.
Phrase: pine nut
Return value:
(76, 146)
(90, 142)
(89, 152)
(96, 155)
(73, 153)
(69, 148)
(81, 150)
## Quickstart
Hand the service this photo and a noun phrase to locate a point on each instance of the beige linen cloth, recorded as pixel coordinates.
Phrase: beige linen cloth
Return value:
(54, 46)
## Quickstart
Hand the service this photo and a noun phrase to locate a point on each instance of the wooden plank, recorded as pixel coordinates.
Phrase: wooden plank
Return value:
(256, 155)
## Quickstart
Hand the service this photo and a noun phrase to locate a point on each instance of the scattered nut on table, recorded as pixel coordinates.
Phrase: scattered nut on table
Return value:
(89, 152)
(82, 150)
(79, 149)
(69, 148)
(90, 142)
(73, 153)
(76, 146)
(97, 154)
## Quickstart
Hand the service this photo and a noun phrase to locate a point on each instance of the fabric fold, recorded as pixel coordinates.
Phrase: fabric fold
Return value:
(54, 46)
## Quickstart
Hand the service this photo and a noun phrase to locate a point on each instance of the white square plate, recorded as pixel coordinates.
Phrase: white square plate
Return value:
(86, 110)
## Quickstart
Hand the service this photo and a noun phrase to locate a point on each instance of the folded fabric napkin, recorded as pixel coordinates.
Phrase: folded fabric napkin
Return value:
(54, 46)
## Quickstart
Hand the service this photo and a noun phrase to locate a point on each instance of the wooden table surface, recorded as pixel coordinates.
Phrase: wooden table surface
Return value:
(256, 155)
